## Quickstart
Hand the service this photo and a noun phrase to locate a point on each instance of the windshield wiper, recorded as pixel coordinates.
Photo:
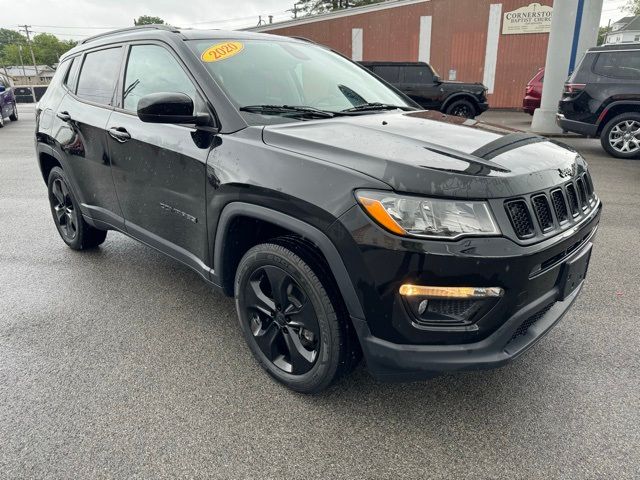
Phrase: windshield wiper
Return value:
(377, 106)
(288, 110)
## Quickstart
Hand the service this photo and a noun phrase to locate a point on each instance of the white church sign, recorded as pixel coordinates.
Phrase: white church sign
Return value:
(534, 18)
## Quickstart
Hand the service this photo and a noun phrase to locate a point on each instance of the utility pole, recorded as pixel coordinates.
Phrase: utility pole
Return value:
(24, 73)
(294, 10)
(33, 58)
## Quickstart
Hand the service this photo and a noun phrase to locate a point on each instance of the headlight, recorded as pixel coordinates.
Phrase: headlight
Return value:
(428, 217)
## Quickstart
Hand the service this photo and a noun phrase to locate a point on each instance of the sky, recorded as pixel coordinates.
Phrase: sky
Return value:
(77, 19)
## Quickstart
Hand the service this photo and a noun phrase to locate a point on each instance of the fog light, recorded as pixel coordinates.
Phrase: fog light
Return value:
(409, 290)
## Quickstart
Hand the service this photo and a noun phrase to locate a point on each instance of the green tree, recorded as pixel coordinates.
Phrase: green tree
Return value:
(9, 41)
(47, 48)
(632, 6)
(602, 34)
(148, 20)
(314, 7)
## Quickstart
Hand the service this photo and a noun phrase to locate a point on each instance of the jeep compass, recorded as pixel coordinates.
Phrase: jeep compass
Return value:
(345, 221)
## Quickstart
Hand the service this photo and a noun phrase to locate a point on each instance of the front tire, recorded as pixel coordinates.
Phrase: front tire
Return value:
(620, 137)
(461, 108)
(73, 229)
(14, 115)
(291, 318)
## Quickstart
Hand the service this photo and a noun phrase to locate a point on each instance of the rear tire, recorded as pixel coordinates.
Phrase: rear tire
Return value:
(461, 108)
(622, 133)
(313, 345)
(72, 227)
(14, 116)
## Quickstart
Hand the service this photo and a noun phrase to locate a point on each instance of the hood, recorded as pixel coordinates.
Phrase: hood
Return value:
(429, 153)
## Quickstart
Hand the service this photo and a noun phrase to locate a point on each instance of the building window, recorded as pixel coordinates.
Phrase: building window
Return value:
(637, 38)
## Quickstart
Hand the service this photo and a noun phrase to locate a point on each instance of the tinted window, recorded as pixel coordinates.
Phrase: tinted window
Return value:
(389, 72)
(152, 69)
(99, 75)
(622, 65)
(72, 75)
(417, 74)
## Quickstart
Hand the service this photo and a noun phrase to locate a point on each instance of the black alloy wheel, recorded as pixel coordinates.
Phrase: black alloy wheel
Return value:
(292, 316)
(65, 214)
(72, 227)
(282, 320)
(461, 108)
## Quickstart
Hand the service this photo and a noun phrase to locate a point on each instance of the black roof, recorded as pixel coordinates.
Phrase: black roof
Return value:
(615, 46)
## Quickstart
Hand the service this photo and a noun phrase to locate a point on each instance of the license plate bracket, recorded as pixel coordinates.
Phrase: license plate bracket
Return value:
(574, 272)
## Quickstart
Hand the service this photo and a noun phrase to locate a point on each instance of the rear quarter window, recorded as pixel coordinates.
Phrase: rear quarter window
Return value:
(618, 65)
(72, 74)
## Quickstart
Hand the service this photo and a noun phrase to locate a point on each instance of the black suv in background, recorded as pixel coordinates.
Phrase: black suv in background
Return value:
(602, 98)
(343, 220)
(423, 85)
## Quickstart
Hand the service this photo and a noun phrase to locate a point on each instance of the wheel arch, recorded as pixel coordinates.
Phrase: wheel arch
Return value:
(614, 109)
(460, 96)
(278, 223)
(47, 161)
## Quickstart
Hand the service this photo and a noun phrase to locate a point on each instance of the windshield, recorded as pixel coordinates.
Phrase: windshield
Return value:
(272, 72)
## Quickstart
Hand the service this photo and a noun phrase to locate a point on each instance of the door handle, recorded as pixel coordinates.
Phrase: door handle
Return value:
(120, 134)
(64, 116)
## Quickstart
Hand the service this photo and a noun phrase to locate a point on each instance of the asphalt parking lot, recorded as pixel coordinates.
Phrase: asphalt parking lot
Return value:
(121, 363)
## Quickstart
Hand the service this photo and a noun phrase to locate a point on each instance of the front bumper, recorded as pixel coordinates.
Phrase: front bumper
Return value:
(582, 128)
(398, 347)
(388, 361)
(483, 107)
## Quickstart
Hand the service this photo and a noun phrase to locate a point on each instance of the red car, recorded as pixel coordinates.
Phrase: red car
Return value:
(533, 93)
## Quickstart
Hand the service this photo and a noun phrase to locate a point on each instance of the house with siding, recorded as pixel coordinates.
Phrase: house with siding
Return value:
(625, 30)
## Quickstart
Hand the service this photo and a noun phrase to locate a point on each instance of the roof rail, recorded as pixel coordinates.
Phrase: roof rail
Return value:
(154, 26)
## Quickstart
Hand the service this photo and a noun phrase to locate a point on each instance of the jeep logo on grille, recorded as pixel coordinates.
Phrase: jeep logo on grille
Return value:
(567, 172)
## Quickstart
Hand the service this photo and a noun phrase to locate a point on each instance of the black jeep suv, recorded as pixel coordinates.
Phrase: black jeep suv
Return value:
(343, 220)
(422, 84)
(602, 98)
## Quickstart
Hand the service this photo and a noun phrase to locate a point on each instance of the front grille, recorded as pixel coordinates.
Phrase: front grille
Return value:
(560, 206)
(582, 193)
(520, 219)
(549, 212)
(573, 199)
(543, 212)
(589, 184)
(524, 327)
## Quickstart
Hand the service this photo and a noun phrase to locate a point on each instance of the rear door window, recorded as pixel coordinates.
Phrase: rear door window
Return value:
(417, 74)
(99, 75)
(390, 73)
(619, 65)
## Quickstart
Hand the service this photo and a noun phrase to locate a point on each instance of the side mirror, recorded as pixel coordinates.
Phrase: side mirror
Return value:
(437, 79)
(169, 107)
